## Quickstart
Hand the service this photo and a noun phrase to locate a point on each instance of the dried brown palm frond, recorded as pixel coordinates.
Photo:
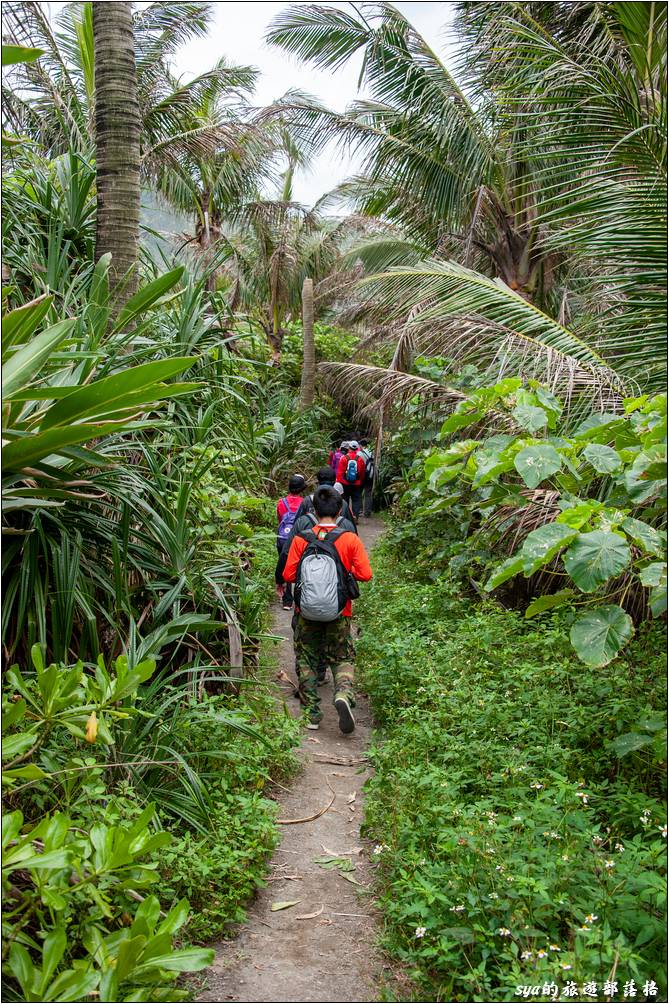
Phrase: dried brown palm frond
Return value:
(500, 351)
(513, 523)
(371, 388)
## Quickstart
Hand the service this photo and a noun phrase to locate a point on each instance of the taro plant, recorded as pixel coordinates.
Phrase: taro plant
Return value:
(584, 509)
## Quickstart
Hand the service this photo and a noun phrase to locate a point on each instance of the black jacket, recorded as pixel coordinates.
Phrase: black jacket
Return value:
(307, 505)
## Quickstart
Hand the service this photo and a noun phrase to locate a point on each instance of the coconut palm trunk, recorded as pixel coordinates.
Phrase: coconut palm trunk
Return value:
(117, 137)
(309, 358)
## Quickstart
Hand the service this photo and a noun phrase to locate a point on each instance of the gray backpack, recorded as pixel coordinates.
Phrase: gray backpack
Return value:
(321, 583)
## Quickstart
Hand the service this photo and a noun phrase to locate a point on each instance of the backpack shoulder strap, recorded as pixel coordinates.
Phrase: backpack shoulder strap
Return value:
(312, 516)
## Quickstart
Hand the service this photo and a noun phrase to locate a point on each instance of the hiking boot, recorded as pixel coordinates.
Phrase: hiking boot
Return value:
(314, 726)
(346, 719)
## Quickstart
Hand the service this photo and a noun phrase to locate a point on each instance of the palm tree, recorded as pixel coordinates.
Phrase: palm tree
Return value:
(525, 177)
(52, 101)
(117, 130)
(440, 164)
(309, 357)
(269, 250)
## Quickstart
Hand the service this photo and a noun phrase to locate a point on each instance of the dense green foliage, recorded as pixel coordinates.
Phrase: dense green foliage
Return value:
(509, 349)
(591, 492)
(521, 836)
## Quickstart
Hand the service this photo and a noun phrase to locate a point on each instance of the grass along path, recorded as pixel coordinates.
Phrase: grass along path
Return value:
(288, 954)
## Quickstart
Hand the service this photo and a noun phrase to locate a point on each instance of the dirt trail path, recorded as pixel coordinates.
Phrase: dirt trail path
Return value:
(331, 957)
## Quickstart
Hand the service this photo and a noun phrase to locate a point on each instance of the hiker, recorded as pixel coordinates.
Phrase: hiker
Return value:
(367, 455)
(336, 455)
(305, 519)
(286, 511)
(325, 563)
(325, 478)
(351, 474)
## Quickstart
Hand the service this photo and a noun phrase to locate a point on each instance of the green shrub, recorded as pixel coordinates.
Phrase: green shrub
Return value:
(505, 812)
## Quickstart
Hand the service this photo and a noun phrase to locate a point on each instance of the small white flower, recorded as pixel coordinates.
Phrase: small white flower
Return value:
(608, 864)
(378, 849)
(504, 932)
(457, 909)
(554, 948)
(663, 830)
(517, 819)
(597, 841)
(541, 954)
(493, 895)
(499, 868)
(526, 955)
(565, 857)
(591, 918)
(536, 785)
(420, 932)
(620, 848)
(565, 966)
(582, 795)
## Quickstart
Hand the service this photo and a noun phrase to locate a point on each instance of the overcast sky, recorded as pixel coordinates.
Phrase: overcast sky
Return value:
(238, 32)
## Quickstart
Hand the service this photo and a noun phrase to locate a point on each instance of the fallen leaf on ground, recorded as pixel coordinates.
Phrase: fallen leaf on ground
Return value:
(284, 676)
(309, 916)
(351, 798)
(283, 905)
(342, 854)
(313, 739)
(349, 878)
(342, 864)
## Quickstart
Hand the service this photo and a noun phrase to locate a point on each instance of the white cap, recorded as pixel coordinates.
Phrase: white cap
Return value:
(354, 444)
(338, 487)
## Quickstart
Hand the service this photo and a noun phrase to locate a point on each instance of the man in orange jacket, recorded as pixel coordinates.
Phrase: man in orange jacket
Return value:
(328, 642)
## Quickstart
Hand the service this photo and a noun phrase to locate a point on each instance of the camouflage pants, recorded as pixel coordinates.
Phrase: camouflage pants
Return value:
(317, 644)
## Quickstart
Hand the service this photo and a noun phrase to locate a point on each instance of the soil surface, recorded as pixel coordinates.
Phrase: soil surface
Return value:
(288, 955)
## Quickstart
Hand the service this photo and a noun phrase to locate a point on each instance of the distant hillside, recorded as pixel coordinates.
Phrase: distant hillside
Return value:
(157, 216)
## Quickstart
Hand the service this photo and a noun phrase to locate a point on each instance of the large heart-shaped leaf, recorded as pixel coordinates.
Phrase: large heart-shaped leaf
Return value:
(542, 544)
(548, 602)
(459, 421)
(604, 459)
(509, 568)
(595, 557)
(529, 417)
(598, 635)
(536, 463)
(646, 536)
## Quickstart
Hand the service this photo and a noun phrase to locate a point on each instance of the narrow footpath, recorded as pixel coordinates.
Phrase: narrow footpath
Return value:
(322, 948)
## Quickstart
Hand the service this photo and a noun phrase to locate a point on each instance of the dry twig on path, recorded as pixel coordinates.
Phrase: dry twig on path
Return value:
(308, 819)
(340, 761)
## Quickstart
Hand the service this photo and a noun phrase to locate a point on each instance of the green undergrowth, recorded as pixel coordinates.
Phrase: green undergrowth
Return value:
(131, 783)
(516, 844)
(218, 870)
